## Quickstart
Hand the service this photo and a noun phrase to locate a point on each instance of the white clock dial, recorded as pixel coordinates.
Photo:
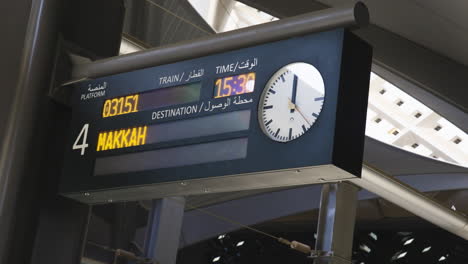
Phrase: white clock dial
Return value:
(291, 101)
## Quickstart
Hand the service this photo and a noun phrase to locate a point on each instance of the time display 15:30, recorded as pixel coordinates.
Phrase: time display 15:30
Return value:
(235, 85)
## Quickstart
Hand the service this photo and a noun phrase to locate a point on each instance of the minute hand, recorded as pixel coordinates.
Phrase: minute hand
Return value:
(294, 92)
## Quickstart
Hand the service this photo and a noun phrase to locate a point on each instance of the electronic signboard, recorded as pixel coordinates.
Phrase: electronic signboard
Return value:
(284, 113)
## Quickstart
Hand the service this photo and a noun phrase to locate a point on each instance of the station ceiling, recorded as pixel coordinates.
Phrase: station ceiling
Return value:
(435, 25)
(439, 26)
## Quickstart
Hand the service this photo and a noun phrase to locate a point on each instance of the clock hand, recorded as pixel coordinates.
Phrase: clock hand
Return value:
(294, 93)
(299, 111)
(291, 106)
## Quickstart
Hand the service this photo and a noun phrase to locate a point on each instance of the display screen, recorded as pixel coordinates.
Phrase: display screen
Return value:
(231, 149)
(122, 138)
(177, 130)
(154, 99)
(235, 85)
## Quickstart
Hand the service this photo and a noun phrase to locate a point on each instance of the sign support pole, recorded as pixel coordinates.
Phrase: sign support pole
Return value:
(336, 221)
(164, 228)
(27, 116)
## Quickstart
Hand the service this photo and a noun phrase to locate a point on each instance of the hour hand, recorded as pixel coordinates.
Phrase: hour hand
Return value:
(291, 106)
(294, 93)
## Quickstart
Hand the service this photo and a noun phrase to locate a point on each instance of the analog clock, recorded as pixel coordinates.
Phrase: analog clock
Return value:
(291, 101)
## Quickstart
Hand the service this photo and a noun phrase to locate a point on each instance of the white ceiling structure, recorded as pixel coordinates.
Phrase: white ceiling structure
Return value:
(441, 26)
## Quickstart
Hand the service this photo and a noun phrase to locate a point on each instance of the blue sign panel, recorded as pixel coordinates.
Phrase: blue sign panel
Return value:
(285, 113)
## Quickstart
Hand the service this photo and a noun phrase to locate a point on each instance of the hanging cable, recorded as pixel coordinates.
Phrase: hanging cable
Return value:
(120, 253)
(295, 245)
(233, 222)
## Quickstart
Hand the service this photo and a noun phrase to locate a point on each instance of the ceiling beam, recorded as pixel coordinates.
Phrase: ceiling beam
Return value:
(422, 173)
(198, 226)
(436, 81)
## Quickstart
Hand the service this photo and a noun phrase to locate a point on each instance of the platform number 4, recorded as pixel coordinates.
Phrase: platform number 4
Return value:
(82, 137)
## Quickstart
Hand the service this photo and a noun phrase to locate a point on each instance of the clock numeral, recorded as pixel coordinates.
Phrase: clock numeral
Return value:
(304, 128)
(290, 133)
(272, 91)
(319, 98)
(269, 122)
(268, 107)
(315, 115)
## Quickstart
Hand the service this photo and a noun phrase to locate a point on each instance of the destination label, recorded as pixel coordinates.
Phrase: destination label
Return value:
(202, 107)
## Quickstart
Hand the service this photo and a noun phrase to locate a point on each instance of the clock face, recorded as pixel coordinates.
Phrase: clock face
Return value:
(291, 101)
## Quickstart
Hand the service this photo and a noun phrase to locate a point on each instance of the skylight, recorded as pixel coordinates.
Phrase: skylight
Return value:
(228, 15)
(420, 130)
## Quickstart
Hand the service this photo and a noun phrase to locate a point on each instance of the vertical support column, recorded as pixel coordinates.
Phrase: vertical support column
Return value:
(25, 122)
(335, 229)
(124, 226)
(164, 229)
